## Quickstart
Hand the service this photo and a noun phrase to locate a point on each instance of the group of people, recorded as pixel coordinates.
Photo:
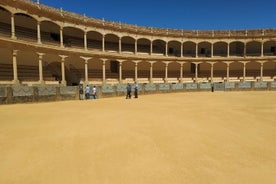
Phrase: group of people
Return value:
(94, 91)
(87, 92)
(129, 87)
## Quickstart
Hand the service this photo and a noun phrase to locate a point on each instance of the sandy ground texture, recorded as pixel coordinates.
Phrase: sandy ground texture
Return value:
(199, 137)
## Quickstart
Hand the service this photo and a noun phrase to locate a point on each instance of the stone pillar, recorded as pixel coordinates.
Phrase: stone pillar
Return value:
(196, 70)
(85, 40)
(136, 70)
(196, 50)
(151, 47)
(181, 71)
(135, 46)
(38, 33)
(12, 27)
(63, 81)
(14, 62)
(166, 51)
(262, 49)
(120, 70)
(166, 70)
(261, 69)
(104, 77)
(103, 46)
(151, 70)
(61, 37)
(40, 65)
(244, 50)
(212, 49)
(228, 49)
(181, 50)
(227, 69)
(244, 69)
(212, 70)
(86, 68)
(120, 45)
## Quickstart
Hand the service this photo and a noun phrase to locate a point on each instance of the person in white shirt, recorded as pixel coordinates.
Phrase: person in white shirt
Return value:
(94, 92)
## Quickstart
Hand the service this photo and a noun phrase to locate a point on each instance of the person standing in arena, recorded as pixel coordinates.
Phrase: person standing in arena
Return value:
(135, 90)
(87, 92)
(94, 92)
(128, 91)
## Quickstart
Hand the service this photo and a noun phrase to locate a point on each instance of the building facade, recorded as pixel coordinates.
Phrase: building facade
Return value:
(42, 45)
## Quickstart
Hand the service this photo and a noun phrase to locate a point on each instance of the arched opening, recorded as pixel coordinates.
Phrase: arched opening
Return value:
(143, 46)
(253, 48)
(128, 44)
(270, 48)
(236, 48)
(158, 47)
(94, 40)
(204, 49)
(50, 33)
(220, 49)
(189, 49)
(25, 27)
(5, 22)
(111, 43)
(73, 37)
(174, 48)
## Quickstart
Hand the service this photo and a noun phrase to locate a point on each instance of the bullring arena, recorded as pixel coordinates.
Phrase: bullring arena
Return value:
(205, 112)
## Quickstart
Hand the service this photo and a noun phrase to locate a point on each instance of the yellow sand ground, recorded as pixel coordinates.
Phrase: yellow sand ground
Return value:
(200, 138)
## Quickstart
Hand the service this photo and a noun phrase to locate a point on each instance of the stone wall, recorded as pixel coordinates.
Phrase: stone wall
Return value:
(33, 94)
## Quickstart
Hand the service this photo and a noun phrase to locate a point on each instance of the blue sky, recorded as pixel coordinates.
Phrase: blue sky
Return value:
(178, 14)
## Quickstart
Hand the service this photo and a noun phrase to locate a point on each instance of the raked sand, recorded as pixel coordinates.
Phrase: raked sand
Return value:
(194, 138)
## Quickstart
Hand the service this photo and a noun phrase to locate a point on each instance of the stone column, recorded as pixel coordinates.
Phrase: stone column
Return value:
(14, 62)
(166, 51)
(166, 70)
(261, 69)
(196, 50)
(244, 50)
(181, 50)
(120, 45)
(244, 69)
(86, 68)
(181, 71)
(136, 70)
(196, 70)
(85, 40)
(63, 81)
(212, 49)
(40, 66)
(120, 70)
(135, 46)
(212, 70)
(151, 70)
(38, 33)
(61, 37)
(12, 27)
(151, 47)
(227, 69)
(262, 49)
(104, 77)
(103, 46)
(228, 49)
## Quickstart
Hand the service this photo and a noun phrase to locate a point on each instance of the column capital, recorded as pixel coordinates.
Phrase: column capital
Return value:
(166, 62)
(120, 60)
(85, 58)
(244, 62)
(181, 62)
(40, 54)
(136, 61)
(152, 62)
(103, 59)
(63, 57)
(228, 62)
(212, 62)
(14, 52)
(261, 61)
(197, 62)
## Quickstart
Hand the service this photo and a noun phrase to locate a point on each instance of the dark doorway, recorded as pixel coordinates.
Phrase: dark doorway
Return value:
(114, 66)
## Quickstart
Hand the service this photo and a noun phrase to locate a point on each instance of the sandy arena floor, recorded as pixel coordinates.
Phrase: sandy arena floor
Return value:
(200, 138)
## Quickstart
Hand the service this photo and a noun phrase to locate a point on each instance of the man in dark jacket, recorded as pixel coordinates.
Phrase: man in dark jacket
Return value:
(128, 91)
